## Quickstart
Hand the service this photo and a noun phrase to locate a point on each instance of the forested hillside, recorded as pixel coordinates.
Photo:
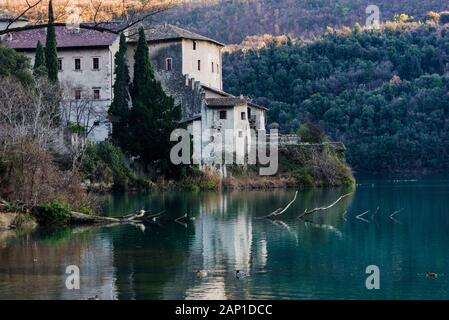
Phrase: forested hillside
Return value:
(230, 21)
(384, 93)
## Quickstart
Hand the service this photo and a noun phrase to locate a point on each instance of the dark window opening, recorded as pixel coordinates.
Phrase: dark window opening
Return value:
(169, 65)
(212, 67)
(223, 115)
(96, 94)
(77, 94)
(199, 65)
(59, 64)
(243, 116)
(77, 64)
(96, 63)
(194, 45)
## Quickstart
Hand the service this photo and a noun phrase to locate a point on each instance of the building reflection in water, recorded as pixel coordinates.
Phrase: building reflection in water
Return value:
(33, 266)
(160, 261)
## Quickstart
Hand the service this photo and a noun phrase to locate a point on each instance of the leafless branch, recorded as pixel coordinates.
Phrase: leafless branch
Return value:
(23, 13)
(308, 212)
(279, 211)
(133, 17)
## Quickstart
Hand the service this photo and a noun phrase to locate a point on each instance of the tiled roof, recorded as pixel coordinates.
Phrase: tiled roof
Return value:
(220, 92)
(66, 38)
(166, 31)
(228, 95)
(251, 104)
(192, 118)
(225, 102)
(6, 16)
(69, 38)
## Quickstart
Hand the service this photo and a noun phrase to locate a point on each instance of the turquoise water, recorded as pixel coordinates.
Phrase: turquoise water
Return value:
(323, 257)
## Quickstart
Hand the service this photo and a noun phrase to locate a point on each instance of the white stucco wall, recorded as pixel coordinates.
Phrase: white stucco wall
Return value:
(208, 53)
(87, 79)
(260, 117)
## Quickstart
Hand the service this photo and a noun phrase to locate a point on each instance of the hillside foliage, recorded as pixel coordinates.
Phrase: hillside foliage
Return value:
(383, 93)
(232, 21)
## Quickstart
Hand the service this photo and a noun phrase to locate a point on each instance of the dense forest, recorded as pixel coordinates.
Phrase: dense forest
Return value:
(383, 93)
(231, 21)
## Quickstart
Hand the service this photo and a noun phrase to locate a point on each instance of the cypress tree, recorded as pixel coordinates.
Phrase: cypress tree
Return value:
(51, 55)
(119, 109)
(39, 68)
(143, 72)
(153, 115)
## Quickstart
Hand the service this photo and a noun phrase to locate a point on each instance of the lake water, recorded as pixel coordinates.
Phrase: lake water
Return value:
(323, 257)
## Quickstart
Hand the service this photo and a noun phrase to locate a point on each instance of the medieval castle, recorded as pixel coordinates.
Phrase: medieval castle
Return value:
(188, 65)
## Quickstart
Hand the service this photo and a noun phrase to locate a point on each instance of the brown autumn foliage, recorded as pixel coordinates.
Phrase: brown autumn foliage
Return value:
(89, 10)
(30, 142)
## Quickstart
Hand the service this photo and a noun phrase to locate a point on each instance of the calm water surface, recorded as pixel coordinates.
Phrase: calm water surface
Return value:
(323, 257)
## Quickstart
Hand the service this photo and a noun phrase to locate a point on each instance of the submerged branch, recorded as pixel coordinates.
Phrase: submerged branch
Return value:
(395, 213)
(361, 215)
(81, 218)
(308, 212)
(279, 211)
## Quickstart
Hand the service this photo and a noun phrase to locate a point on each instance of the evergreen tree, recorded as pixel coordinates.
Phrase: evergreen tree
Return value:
(39, 68)
(51, 55)
(153, 115)
(119, 109)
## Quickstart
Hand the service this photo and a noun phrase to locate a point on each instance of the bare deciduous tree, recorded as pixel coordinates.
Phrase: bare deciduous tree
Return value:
(30, 138)
(98, 12)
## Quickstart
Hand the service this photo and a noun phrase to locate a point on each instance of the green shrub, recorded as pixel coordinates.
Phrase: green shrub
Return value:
(312, 133)
(303, 178)
(104, 162)
(53, 213)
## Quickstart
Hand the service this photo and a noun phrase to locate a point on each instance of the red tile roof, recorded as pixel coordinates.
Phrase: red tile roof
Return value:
(66, 38)
(226, 102)
(167, 32)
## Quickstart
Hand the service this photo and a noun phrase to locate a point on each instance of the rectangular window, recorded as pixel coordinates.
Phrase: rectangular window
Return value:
(194, 45)
(243, 115)
(240, 133)
(212, 67)
(59, 64)
(199, 65)
(77, 64)
(223, 115)
(96, 94)
(169, 65)
(96, 63)
(78, 94)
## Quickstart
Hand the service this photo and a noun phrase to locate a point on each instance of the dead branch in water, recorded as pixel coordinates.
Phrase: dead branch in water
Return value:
(395, 213)
(308, 212)
(81, 218)
(279, 211)
(361, 215)
(326, 227)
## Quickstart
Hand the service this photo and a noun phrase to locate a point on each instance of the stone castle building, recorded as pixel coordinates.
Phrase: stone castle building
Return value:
(188, 65)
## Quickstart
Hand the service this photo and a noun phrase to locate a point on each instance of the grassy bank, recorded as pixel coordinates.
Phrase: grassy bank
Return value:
(301, 166)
